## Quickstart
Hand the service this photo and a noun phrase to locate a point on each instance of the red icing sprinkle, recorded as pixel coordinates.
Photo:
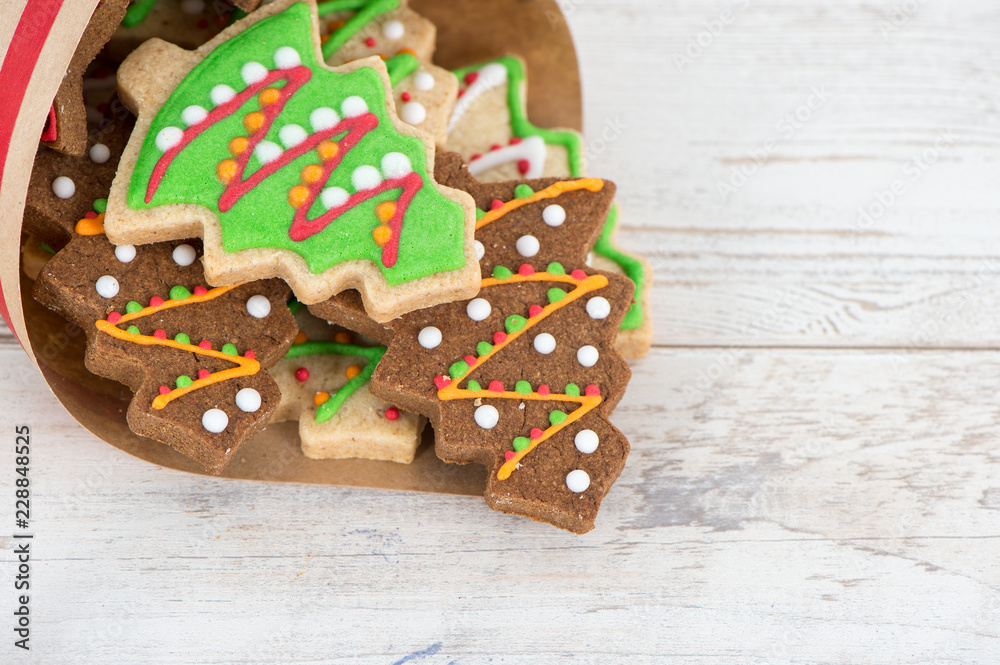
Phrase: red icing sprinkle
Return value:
(90, 214)
(495, 146)
(250, 354)
(159, 334)
(578, 274)
(164, 390)
(514, 140)
(460, 93)
(525, 270)
(476, 156)
(441, 382)
(472, 360)
(406, 96)
(534, 311)
(495, 387)
(205, 344)
(203, 373)
(543, 390)
(370, 42)
(496, 205)
(471, 77)
(114, 317)
(392, 413)
(499, 337)
(202, 24)
(523, 166)
(200, 290)
(592, 391)
(509, 455)
(301, 375)
(536, 433)
(155, 301)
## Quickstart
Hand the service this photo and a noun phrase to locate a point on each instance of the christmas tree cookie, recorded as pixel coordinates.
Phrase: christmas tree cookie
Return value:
(194, 355)
(324, 385)
(522, 378)
(288, 168)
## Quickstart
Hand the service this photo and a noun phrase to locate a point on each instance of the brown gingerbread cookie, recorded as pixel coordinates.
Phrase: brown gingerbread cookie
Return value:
(194, 356)
(66, 129)
(523, 377)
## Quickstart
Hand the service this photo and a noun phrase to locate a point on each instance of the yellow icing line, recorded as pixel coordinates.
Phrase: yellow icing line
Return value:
(93, 226)
(168, 304)
(550, 192)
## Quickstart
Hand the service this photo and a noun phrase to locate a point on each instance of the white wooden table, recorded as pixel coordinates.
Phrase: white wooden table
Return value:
(815, 475)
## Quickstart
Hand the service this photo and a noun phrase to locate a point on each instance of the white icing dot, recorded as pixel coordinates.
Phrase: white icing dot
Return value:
(353, 106)
(253, 72)
(100, 153)
(424, 81)
(258, 306)
(395, 165)
(598, 308)
(323, 118)
(248, 400)
(292, 135)
(554, 215)
(480, 251)
(393, 30)
(125, 253)
(63, 187)
(193, 6)
(333, 197)
(366, 177)
(545, 343)
(586, 441)
(267, 151)
(429, 337)
(107, 287)
(413, 113)
(587, 356)
(215, 421)
(221, 94)
(168, 138)
(286, 57)
(577, 481)
(487, 416)
(478, 309)
(184, 255)
(527, 246)
(193, 114)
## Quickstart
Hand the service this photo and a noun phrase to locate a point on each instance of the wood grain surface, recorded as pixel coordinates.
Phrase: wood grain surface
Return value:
(814, 477)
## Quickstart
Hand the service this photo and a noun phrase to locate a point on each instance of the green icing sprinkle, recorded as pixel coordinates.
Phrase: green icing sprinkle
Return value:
(557, 417)
(483, 348)
(520, 443)
(179, 293)
(480, 213)
(432, 237)
(500, 272)
(372, 353)
(519, 122)
(229, 349)
(522, 387)
(556, 294)
(294, 306)
(181, 338)
(458, 369)
(100, 205)
(367, 10)
(184, 381)
(400, 66)
(132, 307)
(632, 268)
(572, 390)
(474, 386)
(46, 248)
(137, 13)
(514, 323)
(134, 330)
(523, 191)
(555, 268)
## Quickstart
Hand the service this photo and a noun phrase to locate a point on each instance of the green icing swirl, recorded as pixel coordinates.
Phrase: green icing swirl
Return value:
(137, 13)
(372, 353)
(367, 10)
(400, 66)
(632, 268)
